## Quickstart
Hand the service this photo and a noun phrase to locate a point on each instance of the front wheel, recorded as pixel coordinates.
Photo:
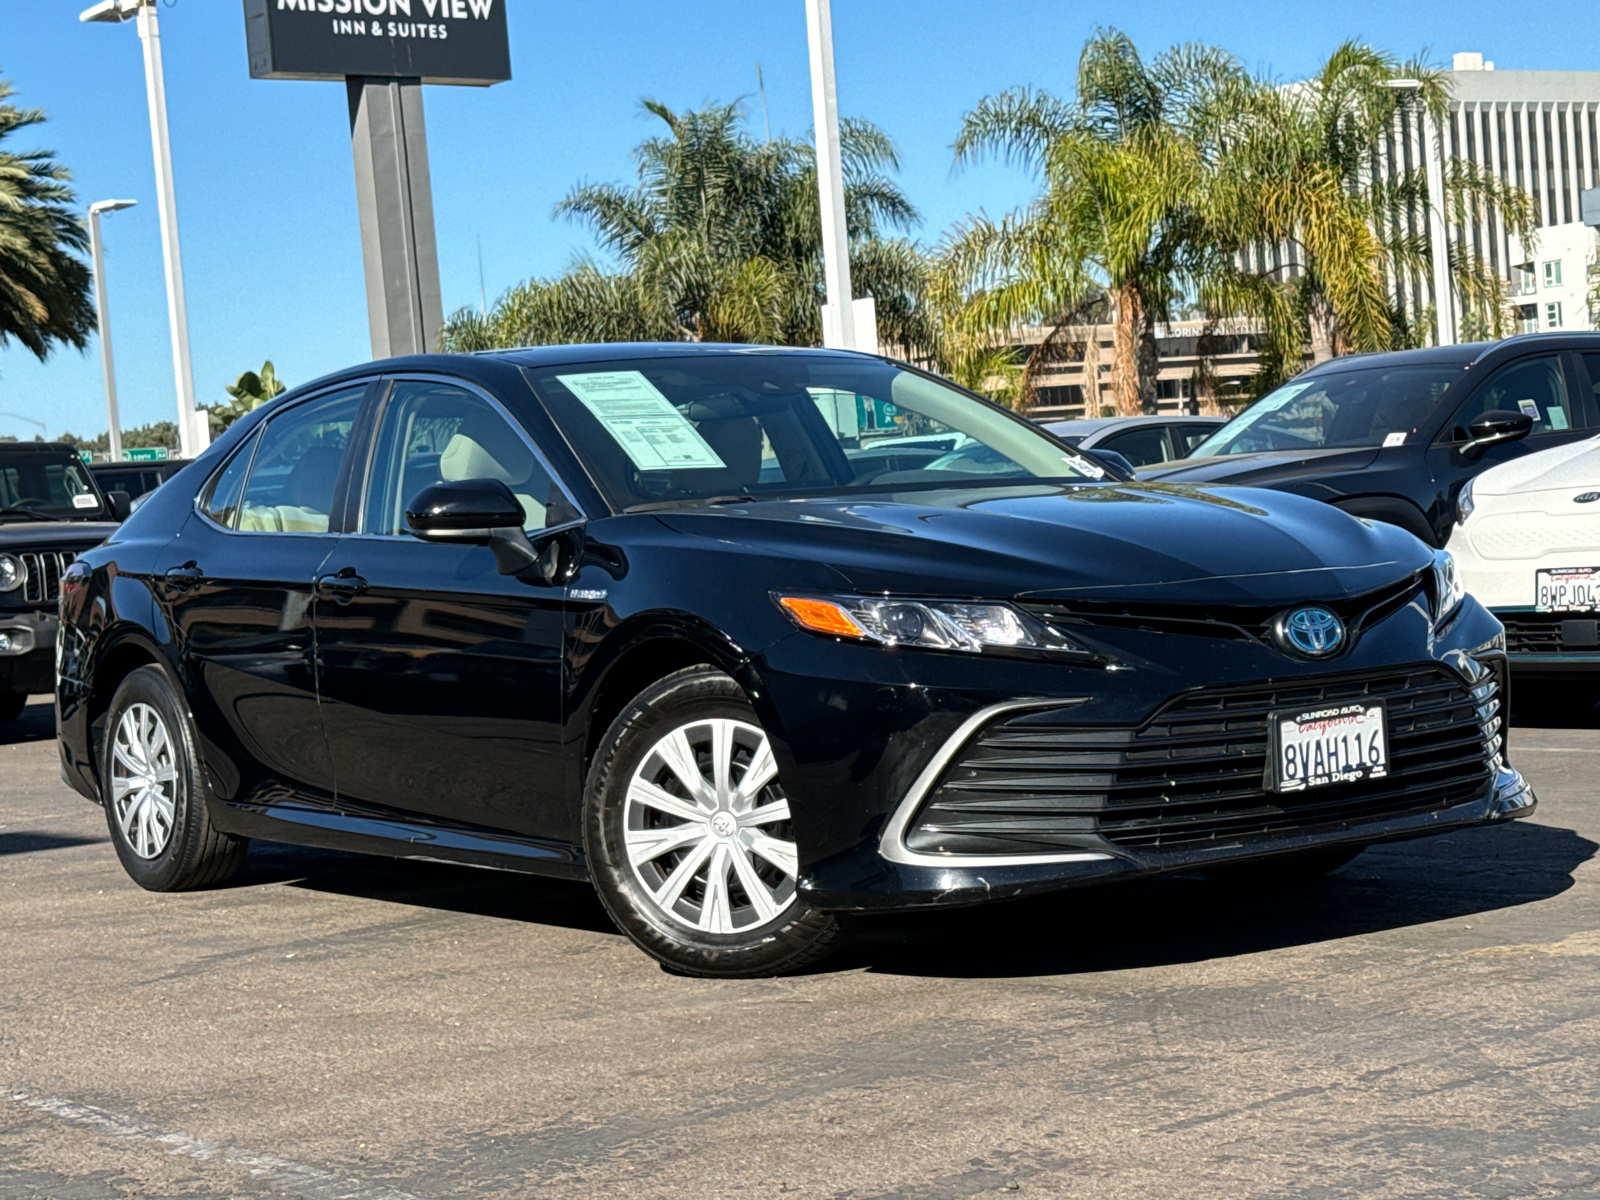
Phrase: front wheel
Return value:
(689, 837)
(11, 704)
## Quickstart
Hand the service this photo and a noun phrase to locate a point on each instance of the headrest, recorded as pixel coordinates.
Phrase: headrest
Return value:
(464, 458)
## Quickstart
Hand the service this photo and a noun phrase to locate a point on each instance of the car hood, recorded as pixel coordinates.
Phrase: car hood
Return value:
(1264, 468)
(1173, 544)
(25, 534)
(1574, 467)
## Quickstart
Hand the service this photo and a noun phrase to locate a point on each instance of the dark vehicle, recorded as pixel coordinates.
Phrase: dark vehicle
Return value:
(1393, 437)
(536, 610)
(50, 512)
(136, 478)
(1141, 441)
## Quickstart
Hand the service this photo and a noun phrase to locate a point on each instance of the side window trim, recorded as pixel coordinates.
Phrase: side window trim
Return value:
(203, 496)
(258, 435)
(380, 408)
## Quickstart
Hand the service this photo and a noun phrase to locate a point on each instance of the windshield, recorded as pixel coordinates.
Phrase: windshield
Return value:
(1372, 406)
(48, 484)
(681, 429)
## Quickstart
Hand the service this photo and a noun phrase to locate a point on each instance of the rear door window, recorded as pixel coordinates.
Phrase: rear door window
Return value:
(296, 469)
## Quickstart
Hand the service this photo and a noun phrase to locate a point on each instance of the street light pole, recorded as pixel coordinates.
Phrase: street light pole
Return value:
(102, 315)
(193, 434)
(1444, 304)
(838, 315)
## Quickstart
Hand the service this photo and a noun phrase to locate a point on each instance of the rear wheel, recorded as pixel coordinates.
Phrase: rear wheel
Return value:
(151, 787)
(1286, 870)
(689, 838)
(12, 704)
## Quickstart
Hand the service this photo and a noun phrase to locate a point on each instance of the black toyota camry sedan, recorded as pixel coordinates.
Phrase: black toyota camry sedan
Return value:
(656, 617)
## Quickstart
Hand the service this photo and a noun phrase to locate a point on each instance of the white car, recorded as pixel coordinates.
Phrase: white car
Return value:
(1527, 545)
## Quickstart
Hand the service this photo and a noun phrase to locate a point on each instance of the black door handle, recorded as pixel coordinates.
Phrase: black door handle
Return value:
(343, 587)
(185, 576)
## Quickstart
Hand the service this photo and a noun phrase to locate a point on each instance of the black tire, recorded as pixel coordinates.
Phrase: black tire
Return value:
(687, 703)
(194, 853)
(11, 704)
(1286, 870)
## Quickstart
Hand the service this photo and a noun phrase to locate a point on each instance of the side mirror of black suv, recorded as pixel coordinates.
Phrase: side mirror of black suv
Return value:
(121, 505)
(1492, 428)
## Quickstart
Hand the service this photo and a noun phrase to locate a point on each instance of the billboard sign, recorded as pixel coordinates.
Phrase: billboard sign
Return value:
(436, 41)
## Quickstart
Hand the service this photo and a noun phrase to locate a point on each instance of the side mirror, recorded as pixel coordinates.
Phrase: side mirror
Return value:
(1110, 459)
(1494, 427)
(485, 512)
(121, 505)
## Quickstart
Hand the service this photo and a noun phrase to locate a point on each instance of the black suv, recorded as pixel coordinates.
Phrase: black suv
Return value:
(1393, 437)
(50, 512)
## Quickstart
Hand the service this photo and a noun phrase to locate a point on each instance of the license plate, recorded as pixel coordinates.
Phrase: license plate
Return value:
(1343, 743)
(1566, 589)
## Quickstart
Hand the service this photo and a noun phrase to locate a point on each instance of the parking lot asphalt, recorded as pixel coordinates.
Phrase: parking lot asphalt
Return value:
(1424, 1022)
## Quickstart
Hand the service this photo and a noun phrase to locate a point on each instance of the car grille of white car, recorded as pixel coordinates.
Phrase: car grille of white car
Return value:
(1530, 535)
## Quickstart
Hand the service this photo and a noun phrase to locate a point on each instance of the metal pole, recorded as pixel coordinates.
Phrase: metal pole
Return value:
(193, 437)
(1438, 235)
(97, 257)
(390, 142)
(838, 318)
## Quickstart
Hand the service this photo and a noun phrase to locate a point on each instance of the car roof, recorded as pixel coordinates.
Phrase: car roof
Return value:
(37, 447)
(555, 356)
(1464, 354)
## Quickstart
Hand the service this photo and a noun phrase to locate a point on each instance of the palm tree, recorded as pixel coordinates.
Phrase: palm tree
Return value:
(1122, 222)
(1301, 173)
(44, 286)
(720, 240)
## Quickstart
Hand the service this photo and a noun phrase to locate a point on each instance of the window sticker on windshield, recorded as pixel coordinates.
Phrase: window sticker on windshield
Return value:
(83, 500)
(1529, 408)
(653, 433)
(1395, 439)
(1280, 397)
(1558, 419)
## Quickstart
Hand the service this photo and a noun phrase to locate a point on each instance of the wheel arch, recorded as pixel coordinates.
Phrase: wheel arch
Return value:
(644, 653)
(122, 653)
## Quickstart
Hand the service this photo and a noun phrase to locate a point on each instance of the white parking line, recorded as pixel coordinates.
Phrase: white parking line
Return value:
(1557, 750)
(279, 1174)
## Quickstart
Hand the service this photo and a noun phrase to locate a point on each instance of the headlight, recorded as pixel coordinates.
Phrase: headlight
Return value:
(1464, 505)
(11, 573)
(1448, 590)
(930, 624)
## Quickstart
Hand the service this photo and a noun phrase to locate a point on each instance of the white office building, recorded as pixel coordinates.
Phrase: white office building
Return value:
(1541, 131)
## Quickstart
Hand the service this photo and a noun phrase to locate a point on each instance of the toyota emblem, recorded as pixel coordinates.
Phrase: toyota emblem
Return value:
(1309, 632)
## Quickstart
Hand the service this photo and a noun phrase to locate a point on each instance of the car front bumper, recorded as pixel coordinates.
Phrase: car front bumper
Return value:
(28, 651)
(863, 746)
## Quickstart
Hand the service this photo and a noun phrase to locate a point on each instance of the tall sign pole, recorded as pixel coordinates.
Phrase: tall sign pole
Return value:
(97, 259)
(384, 51)
(1444, 302)
(838, 315)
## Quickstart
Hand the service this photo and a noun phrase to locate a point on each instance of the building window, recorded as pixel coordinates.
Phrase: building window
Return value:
(1523, 280)
(1552, 315)
(1552, 274)
(1528, 318)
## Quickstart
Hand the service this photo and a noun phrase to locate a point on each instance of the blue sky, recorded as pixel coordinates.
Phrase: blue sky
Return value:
(266, 197)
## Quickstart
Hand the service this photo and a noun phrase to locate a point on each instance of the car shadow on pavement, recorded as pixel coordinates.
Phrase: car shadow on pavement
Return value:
(1188, 918)
(506, 895)
(37, 723)
(22, 842)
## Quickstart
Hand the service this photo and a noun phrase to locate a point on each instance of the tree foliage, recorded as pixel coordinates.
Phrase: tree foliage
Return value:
(249, 392)
(720, 240)
(44, 285)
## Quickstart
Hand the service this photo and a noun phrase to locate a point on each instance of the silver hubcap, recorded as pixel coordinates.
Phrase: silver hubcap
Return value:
(143, 780)
(706, 828)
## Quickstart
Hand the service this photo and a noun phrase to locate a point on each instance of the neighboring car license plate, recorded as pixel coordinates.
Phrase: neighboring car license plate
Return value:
(1342, 743)
(1566, 589)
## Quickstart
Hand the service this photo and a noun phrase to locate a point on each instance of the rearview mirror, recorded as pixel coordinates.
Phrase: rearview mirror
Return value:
(1494, 427)
(484, 511)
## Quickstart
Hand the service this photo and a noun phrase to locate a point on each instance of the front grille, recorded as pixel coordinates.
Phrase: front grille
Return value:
(1193, 775)
(1549, 633)
(41, 574)
(1239, 622)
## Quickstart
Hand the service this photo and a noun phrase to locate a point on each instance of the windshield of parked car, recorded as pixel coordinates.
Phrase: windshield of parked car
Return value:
(48, 485)
(684, 429)
(1363, 406)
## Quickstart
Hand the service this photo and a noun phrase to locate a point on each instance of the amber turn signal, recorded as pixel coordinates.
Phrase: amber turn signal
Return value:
(821, 616)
